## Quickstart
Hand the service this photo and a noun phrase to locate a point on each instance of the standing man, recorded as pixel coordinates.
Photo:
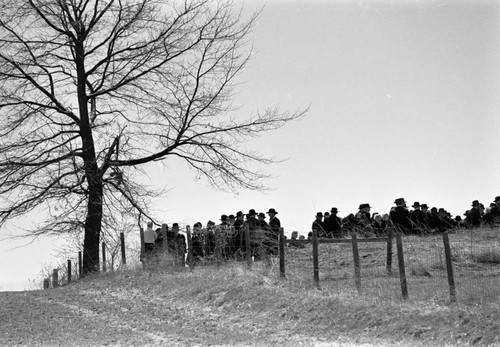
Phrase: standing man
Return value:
(275, 226)
(255, 239)
(400, 216)
(417, 218)
(318, 225)
(239, 238)
(333, 224)
(474, 214)
(427, 217)
(363, 217)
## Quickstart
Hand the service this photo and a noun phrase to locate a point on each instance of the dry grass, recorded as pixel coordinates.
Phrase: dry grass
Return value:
(232, 305)
(475, 256)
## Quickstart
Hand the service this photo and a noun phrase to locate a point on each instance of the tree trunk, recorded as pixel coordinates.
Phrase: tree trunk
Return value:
(92, 230)
(93, 220)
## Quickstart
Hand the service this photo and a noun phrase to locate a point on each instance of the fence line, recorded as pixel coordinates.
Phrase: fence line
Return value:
(423, 275)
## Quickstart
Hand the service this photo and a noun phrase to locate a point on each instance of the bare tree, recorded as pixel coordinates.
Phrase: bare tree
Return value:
(91, 91)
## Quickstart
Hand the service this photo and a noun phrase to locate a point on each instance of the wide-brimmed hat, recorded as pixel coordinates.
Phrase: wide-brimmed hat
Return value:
(497, 198)
(416, 204)
(272, 210)
(223, 217)
(239, 213)
(399, 201)
(231, 216)
(252, 212)
(319, 214)
(424, 206)
(334, 210)
(475, 203)
(362, 206)
(262, 214)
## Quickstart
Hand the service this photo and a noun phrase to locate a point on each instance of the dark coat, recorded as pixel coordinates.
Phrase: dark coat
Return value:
(319, 227)
(333, 226)
(400, 217)
(474, 217)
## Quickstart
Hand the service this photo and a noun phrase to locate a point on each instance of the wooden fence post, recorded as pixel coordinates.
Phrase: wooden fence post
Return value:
(143, 250)
(449, 267)
(401, 265)
(69, 271)
(103, 257)
(357, 267)
(122, 247)
(315, 257)
(55, 278)
(282, 252)
(190, 247)
(80, 269)
(248, 248)
(388, 264)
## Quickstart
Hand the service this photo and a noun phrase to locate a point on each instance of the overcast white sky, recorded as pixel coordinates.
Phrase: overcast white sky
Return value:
(404, 101)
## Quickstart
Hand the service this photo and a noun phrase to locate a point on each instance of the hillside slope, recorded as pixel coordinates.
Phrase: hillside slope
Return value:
(228, 306)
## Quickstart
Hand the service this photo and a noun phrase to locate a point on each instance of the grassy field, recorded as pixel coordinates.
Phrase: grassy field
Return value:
(475, 257)
(231, 305)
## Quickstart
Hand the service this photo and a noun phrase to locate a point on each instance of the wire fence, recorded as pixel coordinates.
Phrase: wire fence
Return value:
(420, 269)
(474, 266)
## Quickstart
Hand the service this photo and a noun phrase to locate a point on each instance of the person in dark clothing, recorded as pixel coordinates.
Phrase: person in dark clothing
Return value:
(417, 218)
(348, 224)
(210, 241)
(333, 224)
(197, 242)
(275, 226)
(177, 245)
(435, 220)
(364, 219)
(318, 226)
(159, 240)
(474, 217)
(445, 222)
(495, 211)
(256, 236)
(262, 220)
(400, 216)
(427, 217)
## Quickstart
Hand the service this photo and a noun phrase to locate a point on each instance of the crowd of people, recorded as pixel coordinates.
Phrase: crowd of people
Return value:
(420, 219)
(224, 240)
(227, 239)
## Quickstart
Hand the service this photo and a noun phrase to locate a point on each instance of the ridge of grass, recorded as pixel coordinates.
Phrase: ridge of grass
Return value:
(236, 305)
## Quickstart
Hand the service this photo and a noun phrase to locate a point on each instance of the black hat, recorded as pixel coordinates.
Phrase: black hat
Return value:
(262, 214)
(416, 204)
(334, 210)
(497, 198)
(252, 212)
(475, 203)
(239, 213)
(362, 206)
(175, 225)
(399, 201)
(272, 210)
(319, 214)
(223, 217)
(424, 206)
(231, 216)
